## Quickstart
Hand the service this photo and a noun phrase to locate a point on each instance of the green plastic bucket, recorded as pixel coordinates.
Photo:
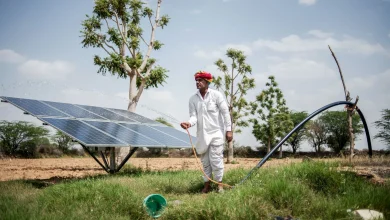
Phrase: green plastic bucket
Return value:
(155, 204)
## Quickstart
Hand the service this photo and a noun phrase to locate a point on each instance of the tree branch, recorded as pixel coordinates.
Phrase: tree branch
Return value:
(109, 46)
(108, 26)
(143, 39)
(151, 38)
(123, 37)
(347, 98)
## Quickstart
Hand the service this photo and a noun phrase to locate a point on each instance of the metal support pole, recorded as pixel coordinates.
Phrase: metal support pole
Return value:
(93, 156)
(127, 158)
(112, 160)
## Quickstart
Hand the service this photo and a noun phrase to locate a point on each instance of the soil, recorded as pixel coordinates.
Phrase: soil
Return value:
(54, 169)
(48, 168)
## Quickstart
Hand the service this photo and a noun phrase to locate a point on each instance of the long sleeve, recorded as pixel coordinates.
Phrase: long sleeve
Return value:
(193, 117)
(225, 112)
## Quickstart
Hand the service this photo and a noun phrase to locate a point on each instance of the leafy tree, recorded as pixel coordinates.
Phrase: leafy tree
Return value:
(13, 134)
(234, 85)
(162, 120)
(63, 141)
(115, 27)
(297, 137)
(336, 127)
(316, 134)
(384, 127)
(273, 118)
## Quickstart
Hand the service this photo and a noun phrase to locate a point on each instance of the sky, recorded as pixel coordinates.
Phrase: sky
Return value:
(41, 55)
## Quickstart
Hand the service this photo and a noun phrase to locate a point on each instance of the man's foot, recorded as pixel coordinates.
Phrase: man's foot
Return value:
(206, 187)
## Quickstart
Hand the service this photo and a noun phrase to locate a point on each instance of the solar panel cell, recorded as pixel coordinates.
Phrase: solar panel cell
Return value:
(84, 133)
(165, 139)
(73, 110)
(106, 113)
(135, 117)
(35, 107)
(128, 136)
(176, 133)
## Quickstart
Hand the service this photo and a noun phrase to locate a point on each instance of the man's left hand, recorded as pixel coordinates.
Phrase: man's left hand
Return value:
(229, 136)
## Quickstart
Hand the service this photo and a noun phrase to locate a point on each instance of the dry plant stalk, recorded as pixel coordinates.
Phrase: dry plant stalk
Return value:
(350, 110)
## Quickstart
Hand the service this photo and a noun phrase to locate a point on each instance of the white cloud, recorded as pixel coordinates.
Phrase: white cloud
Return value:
(10, 56)
(274, 58)
(294, 43)
(196, 11)
(298, 69)
(162, 96)
(208, 55)
(320, 34)
(307, 2)
(245, 48)
(221, 51)
(46, 70)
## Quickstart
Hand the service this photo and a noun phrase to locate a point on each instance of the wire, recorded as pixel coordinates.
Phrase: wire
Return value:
(201, 168)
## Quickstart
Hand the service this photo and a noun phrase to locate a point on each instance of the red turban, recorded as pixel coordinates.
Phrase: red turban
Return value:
(204, 75)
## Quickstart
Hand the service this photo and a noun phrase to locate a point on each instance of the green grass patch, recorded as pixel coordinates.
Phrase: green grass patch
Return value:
(313, 190)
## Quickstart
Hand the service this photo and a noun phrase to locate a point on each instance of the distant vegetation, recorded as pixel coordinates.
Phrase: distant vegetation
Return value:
(26, 140)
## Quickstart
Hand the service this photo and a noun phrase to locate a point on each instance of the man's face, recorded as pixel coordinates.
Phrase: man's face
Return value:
(201, 83)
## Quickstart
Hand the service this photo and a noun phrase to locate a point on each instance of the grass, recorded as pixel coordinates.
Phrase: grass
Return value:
(310, 190)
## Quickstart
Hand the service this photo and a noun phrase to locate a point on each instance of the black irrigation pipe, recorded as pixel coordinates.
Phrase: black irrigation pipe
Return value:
(302, 123)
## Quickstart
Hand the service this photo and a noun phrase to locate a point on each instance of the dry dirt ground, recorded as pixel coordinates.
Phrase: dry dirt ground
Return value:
(60, 168)
(39, 169)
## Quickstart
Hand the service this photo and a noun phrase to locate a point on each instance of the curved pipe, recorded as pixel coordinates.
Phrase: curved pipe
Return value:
(302, 123)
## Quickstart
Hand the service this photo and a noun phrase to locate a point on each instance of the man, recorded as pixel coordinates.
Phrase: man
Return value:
(209, 111)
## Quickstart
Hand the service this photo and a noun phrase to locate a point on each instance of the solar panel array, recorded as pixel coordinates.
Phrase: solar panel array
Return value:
(94, 126)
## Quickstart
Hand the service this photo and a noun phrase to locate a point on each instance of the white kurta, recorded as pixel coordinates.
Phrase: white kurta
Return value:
(212, 116)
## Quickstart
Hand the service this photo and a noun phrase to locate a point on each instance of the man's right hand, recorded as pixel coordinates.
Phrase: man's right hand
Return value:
(185, 125)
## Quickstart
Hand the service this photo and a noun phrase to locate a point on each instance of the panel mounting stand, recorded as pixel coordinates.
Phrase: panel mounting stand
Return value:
(110, 167)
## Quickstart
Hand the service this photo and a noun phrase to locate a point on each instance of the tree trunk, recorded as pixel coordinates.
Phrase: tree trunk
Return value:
(269, 145)
(351, 136)
(121, 152)
(281, 151)
(230, 148)
(132, 93)
(230, 152)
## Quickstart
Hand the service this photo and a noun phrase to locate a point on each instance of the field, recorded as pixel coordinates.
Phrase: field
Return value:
(65, 168)
(77, 188)
(54, 168)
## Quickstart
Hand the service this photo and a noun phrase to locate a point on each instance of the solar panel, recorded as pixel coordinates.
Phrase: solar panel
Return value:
(34, 107)
(167, 140)
(103, 127)
(130, 137)
(106, 113)
(135, 117)
(73, 110)
(176, 133)
(84, 133)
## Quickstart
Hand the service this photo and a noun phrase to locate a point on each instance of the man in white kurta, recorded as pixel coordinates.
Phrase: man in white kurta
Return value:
(209, 111)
